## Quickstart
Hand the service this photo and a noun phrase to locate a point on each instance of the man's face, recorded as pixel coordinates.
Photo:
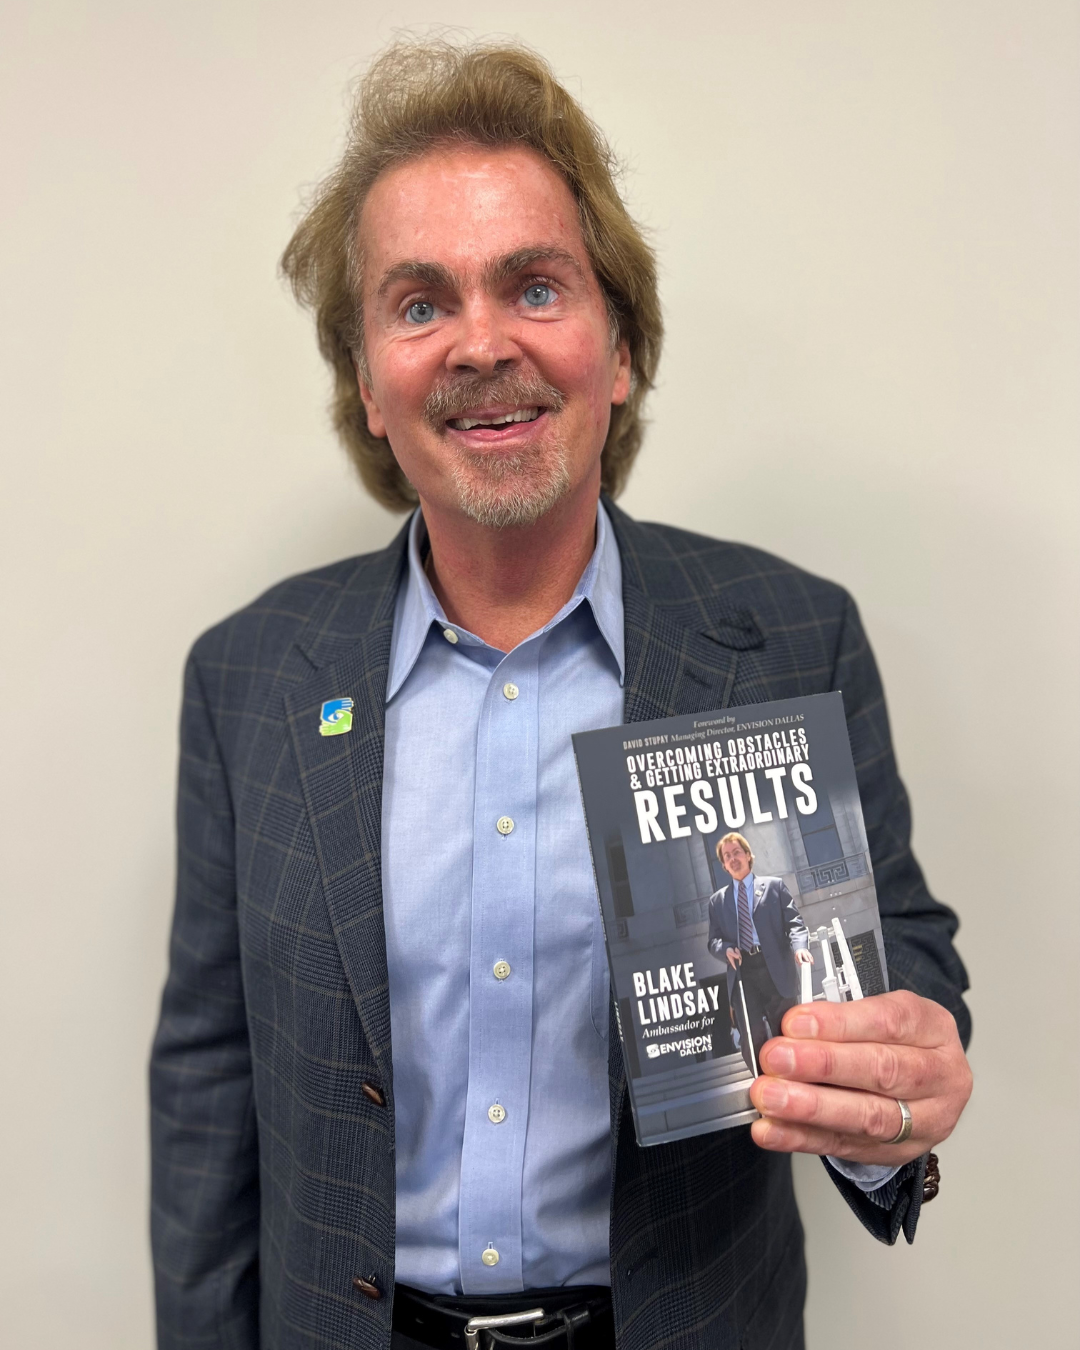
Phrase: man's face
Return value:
(736, 860)
(491, 368)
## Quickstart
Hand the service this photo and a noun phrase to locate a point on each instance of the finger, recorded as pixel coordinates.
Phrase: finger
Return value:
(782, 1137)
(864, 1116)
(899, 1018)
(891, 1070)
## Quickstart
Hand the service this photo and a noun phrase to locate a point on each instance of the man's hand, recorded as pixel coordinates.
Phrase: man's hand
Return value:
(829, 1084)
(734, 957)
(803, 957)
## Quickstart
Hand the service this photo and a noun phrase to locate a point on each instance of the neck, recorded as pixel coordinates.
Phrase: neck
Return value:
(504, 584)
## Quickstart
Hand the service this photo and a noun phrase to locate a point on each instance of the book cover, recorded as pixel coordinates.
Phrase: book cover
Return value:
(734, 882)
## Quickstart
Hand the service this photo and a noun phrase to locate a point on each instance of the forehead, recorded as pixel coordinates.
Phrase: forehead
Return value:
(462, 206)
(733, 845)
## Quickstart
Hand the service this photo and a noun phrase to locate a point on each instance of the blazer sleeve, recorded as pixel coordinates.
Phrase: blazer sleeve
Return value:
(204, 1161)
(918, 930)
(718, 944)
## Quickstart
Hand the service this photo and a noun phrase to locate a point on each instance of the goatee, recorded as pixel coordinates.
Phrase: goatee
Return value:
(503, 491)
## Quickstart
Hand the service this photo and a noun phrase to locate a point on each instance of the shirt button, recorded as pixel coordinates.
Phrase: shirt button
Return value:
(510, 691)
(501, 969)
(496, 1113)
(504, 825)
(490, 1257)
(450, 635)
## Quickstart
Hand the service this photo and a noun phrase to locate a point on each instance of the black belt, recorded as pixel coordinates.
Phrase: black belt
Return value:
(574, 1318)
(752, 951)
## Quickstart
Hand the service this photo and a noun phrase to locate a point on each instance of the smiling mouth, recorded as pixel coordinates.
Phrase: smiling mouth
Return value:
(495, 419)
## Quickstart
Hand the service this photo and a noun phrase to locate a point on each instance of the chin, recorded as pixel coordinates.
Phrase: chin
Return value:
(507, 493)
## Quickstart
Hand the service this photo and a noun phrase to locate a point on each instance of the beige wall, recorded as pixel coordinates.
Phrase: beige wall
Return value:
(865, 214)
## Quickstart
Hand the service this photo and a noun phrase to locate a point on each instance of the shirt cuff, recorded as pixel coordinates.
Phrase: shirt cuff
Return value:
(867, 1176)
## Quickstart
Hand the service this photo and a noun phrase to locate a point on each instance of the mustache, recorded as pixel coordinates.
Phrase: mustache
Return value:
(455, 396)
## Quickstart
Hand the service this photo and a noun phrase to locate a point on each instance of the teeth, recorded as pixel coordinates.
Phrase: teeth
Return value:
(522, 415)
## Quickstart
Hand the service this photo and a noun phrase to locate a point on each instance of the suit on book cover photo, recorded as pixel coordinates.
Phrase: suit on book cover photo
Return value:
(755, 927)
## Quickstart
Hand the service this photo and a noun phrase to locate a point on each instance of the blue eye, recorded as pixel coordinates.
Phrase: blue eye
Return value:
(538, 296)
(421, 311)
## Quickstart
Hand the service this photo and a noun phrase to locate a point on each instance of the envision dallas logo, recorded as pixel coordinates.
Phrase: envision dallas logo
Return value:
(692, 1045)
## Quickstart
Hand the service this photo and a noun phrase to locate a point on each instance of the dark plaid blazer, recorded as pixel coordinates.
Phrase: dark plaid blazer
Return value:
(271, 1079)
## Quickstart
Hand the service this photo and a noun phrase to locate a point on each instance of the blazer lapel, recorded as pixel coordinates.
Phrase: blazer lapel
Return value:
(341, 777)
(682, 642)
(672, 667)
(731, 905)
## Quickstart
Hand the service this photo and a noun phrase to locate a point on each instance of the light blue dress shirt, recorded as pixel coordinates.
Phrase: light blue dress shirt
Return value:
(475, 738)
(495, 950)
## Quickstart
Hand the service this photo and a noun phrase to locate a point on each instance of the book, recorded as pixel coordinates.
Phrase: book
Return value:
(734, 881)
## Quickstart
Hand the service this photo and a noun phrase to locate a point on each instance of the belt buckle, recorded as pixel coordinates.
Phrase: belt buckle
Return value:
(476, 1325)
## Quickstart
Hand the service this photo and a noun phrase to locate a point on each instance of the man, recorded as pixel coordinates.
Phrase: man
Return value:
(386, 1095)
(755, 927)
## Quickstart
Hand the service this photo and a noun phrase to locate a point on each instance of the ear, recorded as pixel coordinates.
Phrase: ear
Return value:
(620, 391)
(375, 422)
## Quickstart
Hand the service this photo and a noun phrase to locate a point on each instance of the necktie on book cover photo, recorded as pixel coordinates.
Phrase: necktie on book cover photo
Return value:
(746, 927)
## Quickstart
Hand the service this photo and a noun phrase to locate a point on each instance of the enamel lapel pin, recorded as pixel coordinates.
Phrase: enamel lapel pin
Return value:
(335, 717)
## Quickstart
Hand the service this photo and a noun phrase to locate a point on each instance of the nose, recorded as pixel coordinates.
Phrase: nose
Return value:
(482, 341)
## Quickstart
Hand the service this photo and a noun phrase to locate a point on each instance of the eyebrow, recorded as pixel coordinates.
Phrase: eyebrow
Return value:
(425, 273)
(500, 270)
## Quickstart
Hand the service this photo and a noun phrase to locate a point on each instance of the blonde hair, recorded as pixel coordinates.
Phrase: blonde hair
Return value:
(415, 96)
(734, 838)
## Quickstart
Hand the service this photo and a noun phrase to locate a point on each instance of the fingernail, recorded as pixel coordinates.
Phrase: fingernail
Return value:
(774, 1096)
(767, 1135)
(801, 1024)
(781, 1059)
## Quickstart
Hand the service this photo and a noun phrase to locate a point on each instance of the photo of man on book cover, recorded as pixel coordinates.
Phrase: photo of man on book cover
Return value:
(755, 927)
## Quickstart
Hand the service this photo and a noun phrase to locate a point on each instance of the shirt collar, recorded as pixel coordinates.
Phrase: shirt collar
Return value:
(418, 606)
